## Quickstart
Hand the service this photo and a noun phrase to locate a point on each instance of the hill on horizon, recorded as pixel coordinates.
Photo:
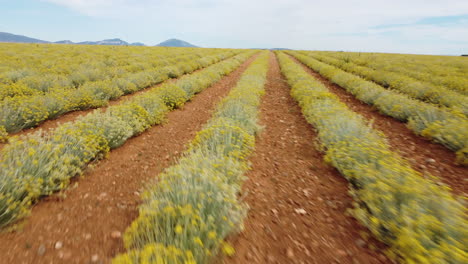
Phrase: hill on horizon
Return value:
(176, 43)
(8, 37)
(12, 38)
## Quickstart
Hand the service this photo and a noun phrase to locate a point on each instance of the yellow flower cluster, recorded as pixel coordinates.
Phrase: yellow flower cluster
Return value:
(421, 221)
(193, 206)
(36, 165)
(445, 126)
(417, 89)
(3, 135)
(156, 254)
(32, 93)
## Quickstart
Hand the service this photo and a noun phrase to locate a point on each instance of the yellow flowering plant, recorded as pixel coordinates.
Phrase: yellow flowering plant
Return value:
(446, 72)
(418, 89)
(194, 204)
(3, 135)
(31, 96)
(421, 221)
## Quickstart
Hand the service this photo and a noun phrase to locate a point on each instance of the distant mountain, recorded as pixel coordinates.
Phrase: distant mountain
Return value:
(8, 37)
(176, 43)
(64, 42)
(116, 42)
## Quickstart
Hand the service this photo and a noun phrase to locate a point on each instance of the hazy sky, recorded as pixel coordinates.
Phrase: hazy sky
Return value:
(407, 26)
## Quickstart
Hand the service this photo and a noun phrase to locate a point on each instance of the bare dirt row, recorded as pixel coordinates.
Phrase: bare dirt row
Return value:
(297, 202)
(425, 156)
(85, 224)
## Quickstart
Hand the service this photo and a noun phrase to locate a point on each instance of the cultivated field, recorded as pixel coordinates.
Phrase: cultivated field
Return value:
(114, 154)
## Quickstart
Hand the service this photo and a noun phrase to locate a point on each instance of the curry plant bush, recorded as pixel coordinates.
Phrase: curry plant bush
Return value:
(3, 135)
(418, 89)
(36, 165)
(446, 72)
(424, 119)
(40, 92)
(191, 208)
(421, 221)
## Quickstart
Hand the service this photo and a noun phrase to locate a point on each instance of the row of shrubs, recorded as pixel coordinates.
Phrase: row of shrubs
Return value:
(38, 164)
(449, 128)
(417, 89)
(446, 71)
(26, 69)
(421, 221)
(27, 82)
(192, 206)
(19, 112)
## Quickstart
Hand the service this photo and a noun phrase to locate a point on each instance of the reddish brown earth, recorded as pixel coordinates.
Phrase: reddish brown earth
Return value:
(84, 224)
(297, 202)
(425, 156)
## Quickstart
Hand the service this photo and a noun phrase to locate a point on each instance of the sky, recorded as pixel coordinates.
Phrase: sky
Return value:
(399, 26)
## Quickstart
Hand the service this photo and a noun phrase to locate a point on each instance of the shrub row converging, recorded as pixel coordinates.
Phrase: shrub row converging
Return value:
(420, 220)
(191, 208)
(28, 69)
(445, 71)
(449, 128)
(39, 164)
(423, 91)
(19, 112)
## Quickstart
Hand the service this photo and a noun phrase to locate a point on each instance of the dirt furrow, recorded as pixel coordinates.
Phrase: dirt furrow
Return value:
(84, 224)
(425, 156)
(297, 202)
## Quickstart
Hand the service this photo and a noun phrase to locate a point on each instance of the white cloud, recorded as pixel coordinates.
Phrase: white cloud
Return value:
(289, 23)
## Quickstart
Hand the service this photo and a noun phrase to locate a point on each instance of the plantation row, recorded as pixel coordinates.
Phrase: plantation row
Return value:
(421, 221)
(446, 72)
(19, 111)
(417, 89)
(39, 164)
(194, 205)
(446, 127)
(28, 69)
